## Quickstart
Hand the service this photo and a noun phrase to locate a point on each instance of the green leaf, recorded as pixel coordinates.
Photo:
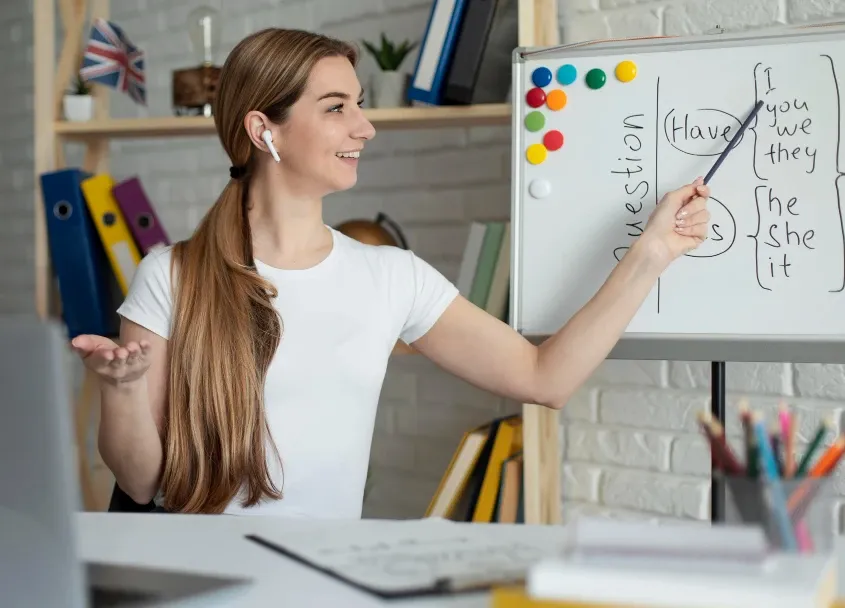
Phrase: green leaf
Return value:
(389, 56)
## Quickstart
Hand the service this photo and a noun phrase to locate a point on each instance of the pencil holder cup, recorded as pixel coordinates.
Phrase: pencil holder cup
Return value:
(799, 517)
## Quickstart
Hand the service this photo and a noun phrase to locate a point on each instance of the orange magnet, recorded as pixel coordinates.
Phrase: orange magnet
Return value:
(556, 99)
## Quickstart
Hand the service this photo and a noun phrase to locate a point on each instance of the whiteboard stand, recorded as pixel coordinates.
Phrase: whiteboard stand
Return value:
(717, 408)
(602, 129)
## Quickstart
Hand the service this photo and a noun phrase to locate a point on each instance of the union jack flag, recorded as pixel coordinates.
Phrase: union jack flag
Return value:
(111, 59)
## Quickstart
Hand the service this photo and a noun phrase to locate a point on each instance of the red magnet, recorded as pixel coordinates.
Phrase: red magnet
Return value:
(553, 140)
(535, 97)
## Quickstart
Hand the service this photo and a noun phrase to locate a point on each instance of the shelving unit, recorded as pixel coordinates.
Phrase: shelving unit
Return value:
(537, 26)
(382, 118)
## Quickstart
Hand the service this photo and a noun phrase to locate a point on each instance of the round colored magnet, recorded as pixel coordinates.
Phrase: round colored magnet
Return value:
(556, 99)
(536, 154)
(626, 71)
(534, 121)
(539, 188)
(541, 77)
(535, 97)
(553, 140)
(596, 78)
(566, 74)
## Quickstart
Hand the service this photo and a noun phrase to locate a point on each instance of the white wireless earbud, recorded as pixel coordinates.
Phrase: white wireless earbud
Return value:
(268, 139)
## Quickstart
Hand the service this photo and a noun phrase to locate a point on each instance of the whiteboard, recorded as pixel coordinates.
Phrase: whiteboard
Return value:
(769, 283)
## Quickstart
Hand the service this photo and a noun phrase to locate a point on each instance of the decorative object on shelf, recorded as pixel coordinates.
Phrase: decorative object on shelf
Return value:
(380, 231)
(389, 85)
(194, 88)
(78, 103)
(112, 60)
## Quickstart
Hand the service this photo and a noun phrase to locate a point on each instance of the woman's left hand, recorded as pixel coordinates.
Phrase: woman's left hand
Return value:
(680, 222)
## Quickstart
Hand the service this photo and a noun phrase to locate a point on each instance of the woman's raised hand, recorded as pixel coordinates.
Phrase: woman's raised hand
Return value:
(680, 222)
(112, 362)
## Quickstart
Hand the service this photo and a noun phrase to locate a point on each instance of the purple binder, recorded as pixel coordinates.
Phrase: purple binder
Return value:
(139, 213)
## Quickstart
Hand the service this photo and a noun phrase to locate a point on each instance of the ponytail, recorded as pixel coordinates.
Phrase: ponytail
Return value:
(224, 335)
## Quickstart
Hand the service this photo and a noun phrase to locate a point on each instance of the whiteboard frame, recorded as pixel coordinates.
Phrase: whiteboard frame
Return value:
(660, 346)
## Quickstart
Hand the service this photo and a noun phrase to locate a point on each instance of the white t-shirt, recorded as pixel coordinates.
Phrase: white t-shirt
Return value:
(341, 319)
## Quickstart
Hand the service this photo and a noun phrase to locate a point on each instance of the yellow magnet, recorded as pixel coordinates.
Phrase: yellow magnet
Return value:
(626, 71)
(536, 153)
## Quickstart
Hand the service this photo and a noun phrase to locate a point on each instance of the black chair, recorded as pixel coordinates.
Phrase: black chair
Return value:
(121, 502)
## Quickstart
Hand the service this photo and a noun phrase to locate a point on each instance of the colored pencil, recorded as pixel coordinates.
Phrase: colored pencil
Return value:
(812, 448)
(829, 459)
(774, 437)
(720, 450)
(777, 498)
(751, 451)
(787, 426)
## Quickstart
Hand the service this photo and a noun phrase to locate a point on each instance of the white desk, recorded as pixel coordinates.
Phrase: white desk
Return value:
(181, 542)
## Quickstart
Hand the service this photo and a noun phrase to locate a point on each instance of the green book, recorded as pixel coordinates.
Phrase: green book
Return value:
(486, 263)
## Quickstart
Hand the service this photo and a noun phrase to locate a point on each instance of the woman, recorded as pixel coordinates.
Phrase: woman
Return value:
(252, 354)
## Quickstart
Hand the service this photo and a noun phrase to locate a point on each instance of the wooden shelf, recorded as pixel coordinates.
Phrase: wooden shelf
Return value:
(382, 118)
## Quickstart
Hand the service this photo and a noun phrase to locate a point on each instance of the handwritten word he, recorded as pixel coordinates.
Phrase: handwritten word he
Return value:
(781, 234)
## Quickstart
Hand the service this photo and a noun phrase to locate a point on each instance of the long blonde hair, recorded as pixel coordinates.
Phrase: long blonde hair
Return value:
(225, 330)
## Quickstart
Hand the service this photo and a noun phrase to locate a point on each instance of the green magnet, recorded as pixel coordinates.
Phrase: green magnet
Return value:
(534, 121)
(596, 78)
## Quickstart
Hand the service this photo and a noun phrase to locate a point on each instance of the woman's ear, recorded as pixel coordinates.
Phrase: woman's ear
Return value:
(260, 131)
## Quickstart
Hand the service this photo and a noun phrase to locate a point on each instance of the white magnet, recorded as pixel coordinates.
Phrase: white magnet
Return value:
(540, 188)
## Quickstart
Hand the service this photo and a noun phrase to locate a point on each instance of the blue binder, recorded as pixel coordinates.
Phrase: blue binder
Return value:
(77, 256)
(436, 50)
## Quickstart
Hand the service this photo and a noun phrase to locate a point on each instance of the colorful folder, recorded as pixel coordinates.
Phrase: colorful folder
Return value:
(77, 256)
(140, 215)
(120, 247)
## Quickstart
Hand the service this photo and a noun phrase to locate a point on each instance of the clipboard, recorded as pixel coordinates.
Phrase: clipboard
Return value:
(441, 586)
(484, 580)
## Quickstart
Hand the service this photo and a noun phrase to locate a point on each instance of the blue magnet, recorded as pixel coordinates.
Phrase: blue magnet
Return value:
(541, 77)
(566, 74)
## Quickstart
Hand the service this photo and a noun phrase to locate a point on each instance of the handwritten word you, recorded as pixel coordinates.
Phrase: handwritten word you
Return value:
(790, 119)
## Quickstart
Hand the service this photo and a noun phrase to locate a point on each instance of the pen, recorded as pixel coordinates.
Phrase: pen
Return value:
(733, 142)
(478, 582)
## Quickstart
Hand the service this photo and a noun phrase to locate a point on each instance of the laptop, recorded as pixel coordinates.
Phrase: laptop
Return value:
(39, 492)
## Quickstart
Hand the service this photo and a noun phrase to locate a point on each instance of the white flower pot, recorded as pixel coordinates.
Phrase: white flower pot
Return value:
(389, 89)
(78, 108)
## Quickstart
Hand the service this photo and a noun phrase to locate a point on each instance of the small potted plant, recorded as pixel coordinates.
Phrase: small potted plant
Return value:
(78, 103)
(389, 85)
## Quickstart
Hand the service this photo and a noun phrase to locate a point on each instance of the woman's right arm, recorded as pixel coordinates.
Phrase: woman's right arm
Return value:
(132, 415)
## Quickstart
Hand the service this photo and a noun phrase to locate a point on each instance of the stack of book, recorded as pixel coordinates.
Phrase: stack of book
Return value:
(483, 482)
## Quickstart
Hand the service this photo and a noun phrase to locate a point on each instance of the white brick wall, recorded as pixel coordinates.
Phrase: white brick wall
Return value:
(631, 448)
